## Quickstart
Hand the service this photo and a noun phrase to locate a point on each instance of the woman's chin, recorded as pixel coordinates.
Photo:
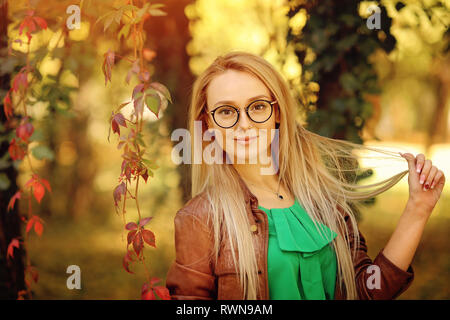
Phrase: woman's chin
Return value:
(246, 157)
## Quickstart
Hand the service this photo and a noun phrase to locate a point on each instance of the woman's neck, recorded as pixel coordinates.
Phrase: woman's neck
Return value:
(254, 174)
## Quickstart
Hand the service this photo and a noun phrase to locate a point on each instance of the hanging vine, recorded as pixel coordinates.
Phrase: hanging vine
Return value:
(146, 94)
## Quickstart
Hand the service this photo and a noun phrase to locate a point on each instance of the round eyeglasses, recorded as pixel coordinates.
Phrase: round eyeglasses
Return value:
(258, 111)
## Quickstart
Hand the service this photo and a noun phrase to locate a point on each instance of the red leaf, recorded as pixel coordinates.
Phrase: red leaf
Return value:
(154, 281)
(16, 152)
(138, 244)
(38, 191)
(46, 184)
(115, 126)
(108, 64)
(20, 81)
(147, 293)
(162, 293)
(41, 22)
(127, 259)
(131, 226)
(131, 235)
(24, 131)
(7, 106)
(144, 221)
(128, 173)
(13, 244)
(38, 227)
(13, 199)
(118, 119)
(149, 237)
(145, 175)
(118, 192)
(29, 225)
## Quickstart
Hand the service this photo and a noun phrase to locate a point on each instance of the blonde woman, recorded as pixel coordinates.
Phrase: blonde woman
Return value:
(249, 234)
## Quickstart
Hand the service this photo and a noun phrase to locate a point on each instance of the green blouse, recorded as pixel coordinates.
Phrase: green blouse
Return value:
(301, 263)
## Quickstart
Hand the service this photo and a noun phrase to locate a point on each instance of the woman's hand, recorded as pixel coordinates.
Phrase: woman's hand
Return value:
(425, 182)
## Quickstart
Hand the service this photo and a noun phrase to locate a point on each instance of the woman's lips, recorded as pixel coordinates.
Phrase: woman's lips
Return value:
(245, 140)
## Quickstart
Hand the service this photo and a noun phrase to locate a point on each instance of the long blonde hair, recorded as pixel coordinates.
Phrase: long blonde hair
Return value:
(314, 168)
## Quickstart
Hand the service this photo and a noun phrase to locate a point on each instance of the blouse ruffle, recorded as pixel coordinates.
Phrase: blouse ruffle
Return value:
(296, 233)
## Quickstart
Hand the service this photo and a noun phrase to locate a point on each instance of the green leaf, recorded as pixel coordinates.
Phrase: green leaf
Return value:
(152, 101)
(42, 152)
(162, 89)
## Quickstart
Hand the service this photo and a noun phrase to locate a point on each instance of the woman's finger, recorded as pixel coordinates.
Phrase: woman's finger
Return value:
(437, 178)
(431, 175)
(411, 166)
(425, 171)
(420, 161)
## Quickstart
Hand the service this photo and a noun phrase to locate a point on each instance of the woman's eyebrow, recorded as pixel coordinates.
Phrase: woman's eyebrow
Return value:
(233, 102)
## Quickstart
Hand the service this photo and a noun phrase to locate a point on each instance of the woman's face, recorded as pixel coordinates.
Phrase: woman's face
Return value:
(246, 140)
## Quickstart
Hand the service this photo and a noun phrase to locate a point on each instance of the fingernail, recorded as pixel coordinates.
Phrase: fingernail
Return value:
(422, 179)
(427, 186)
(419, 168)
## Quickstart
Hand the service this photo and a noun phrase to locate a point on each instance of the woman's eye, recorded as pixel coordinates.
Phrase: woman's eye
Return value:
(259, 107)
(226, 112)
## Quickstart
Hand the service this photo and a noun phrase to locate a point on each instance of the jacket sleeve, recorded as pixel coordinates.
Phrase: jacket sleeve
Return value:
(191, 276)
(379, 279)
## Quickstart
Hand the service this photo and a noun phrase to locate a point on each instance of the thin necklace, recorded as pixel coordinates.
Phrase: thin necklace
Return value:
(276, 193)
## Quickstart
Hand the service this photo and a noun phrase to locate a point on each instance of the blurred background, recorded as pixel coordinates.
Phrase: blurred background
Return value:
(379, 80)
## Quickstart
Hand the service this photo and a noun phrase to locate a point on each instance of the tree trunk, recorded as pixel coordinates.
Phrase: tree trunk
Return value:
(12, 271)
(169, 37)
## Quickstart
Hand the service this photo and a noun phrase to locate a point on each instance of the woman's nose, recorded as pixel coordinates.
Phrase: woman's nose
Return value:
(244, 121)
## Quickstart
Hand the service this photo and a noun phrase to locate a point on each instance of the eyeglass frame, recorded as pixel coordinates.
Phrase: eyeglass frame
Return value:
(246, 111)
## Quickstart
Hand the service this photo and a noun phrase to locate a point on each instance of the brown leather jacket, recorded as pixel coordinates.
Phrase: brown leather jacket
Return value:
(193, 274)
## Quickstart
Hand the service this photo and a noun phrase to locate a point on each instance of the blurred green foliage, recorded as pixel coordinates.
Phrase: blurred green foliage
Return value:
(341, 44)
